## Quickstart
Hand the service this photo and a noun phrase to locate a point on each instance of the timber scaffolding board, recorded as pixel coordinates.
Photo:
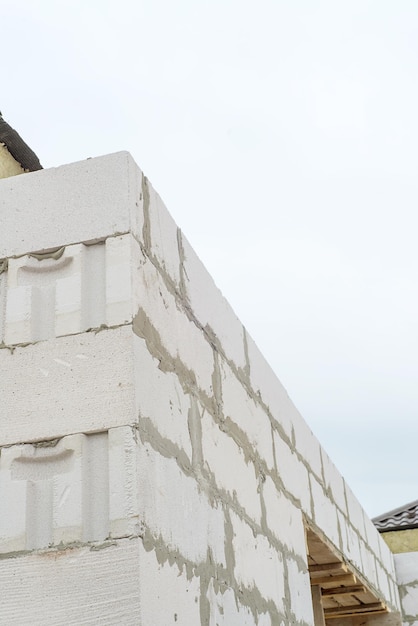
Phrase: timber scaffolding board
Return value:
(343, 594)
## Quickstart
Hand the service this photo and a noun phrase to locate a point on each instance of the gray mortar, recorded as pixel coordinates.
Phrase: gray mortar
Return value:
(403, 592)
(146, 229)
(94, 329)
(250, 598)
(230, 428)
(143, 327)
(54, 253)
(243, 376)
(242, 441)
(149, 433)
(182, 269)
(61, 547)
(195, 433)
(223, 578)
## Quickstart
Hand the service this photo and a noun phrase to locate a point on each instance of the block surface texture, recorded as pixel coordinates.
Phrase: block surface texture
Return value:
(153, 470)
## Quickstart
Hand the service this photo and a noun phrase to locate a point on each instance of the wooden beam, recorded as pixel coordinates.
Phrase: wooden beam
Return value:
(328, 567)
(378, 618)
(343, 591)
(368, 615)
(339, 579)
(346, 611)
(319, 619)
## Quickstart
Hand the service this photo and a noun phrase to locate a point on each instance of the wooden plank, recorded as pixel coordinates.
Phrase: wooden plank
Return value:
(342, 591)
(328, 567)
(355, 610)
(367, 597)
(327, 603)
(378, 618)
(368, 615)
(319, 619)
(336, 579)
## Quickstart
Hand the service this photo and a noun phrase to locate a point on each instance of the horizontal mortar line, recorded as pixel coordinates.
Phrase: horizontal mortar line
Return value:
(94, 329)
(192, 318)
(209, 486)
(213, 567)
(70, 434)
(88, 242)
(63, 547)
(184, 304)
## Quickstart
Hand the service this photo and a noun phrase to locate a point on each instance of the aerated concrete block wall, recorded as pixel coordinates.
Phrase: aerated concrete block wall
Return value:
(153, 470)
(406, 565)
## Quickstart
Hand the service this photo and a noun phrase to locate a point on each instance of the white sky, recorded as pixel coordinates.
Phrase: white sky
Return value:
(282, 136)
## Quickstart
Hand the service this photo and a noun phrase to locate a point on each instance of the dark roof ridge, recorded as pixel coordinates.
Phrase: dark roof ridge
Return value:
(403, 517)
(18, 148)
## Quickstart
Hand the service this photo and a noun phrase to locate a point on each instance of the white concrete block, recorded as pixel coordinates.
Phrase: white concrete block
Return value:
(163, 234)
(75, 587)
(324, 512)
(372, 537)
(406, 565)
(371, 574)
(17, 317)
(265, 382)
(284, 519)
(368, 562)
(292, 473)
(211, 308)
(350, 542)
(180, 337)
(386, 556)
(160, 397)
(226, 460)
(167, 596)
(257, 564)
(383, 581)
(334, 481)
(123, 486)
(81, 488)
(409, 600)
(394, 592)
(355, 511)
(85, 287)
(55, 494)
(247, 414)
(13, 497)
(226, 610)
(83, 201)
(3, 292)
(174, 508)
(81, 383)
(307, 444)
(118, 277)
(300, 593)
(44, 296)
(36, 484)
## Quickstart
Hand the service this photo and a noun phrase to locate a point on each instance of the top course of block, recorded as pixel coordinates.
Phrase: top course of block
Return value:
(83, 201)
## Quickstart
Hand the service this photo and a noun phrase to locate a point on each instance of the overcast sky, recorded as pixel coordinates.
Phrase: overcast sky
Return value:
(282, 136)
